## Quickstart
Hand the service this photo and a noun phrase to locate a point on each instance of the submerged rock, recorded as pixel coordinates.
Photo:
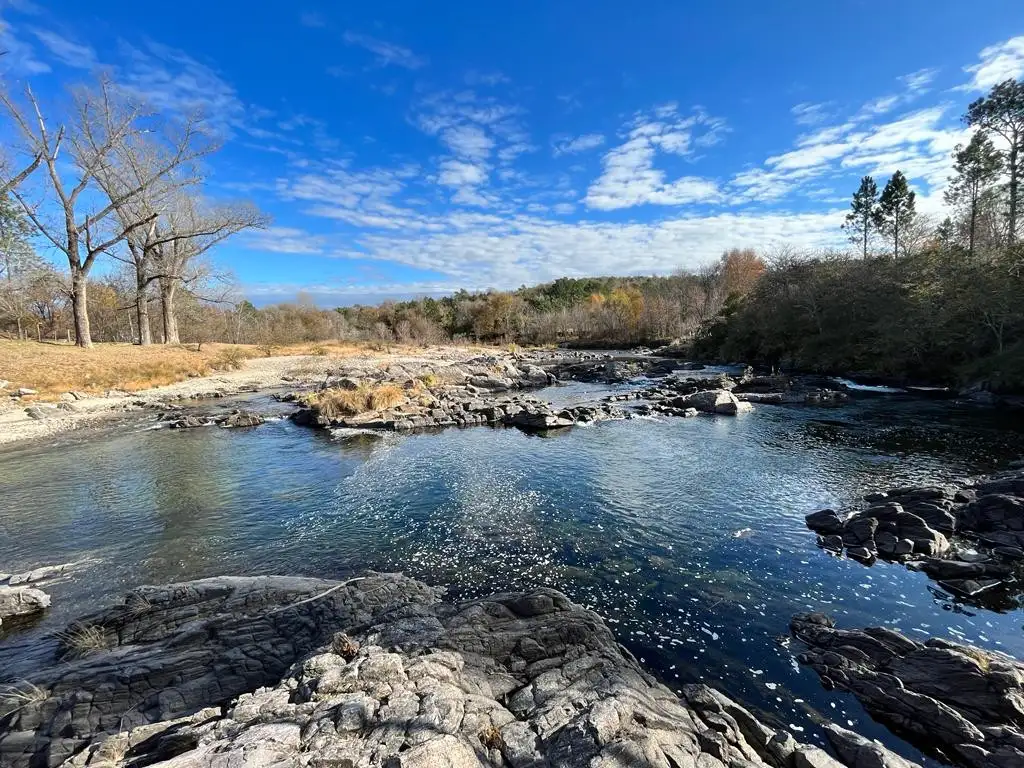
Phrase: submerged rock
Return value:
(956, 701)
(377, 671)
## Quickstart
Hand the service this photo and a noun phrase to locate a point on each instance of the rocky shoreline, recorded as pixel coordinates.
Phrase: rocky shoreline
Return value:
(374, 671)
(968, 538)
(957, 702)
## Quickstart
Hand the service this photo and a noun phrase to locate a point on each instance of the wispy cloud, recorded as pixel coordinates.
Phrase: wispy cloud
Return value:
(286, 240)
(570, 145)
(68, 51)
(808, 113)
(21, 57)
(386, 53)
(998, 62)
(172, 80)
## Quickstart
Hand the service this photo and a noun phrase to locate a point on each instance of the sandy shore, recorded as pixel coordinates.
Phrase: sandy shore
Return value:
(21, 423)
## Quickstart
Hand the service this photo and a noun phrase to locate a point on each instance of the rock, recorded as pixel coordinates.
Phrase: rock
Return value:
(242, 419)
(245, 672)
(956, 701)
(832, 543)
(19, 602)
(40, 412)
(714, 401)
(859, 531)
(189, 422)
(814, 757)
(857, 752)
(825, 521)
(25, 391)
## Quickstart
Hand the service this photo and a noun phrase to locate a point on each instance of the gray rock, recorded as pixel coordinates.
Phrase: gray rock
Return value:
(857, 752)
(242, 419)
(518, 679)
(19, 602)
(955, 699)
(825, 521)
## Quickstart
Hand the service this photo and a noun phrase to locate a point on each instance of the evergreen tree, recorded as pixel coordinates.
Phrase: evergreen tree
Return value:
(976, 167)
(860, 221)
(895, 209)
(1002, 113)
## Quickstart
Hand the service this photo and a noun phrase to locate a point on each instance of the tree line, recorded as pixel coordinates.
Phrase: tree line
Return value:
(932, 301)
(104, 176)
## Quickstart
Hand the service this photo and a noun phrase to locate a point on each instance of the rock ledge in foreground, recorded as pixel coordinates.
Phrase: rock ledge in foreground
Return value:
(376, 671)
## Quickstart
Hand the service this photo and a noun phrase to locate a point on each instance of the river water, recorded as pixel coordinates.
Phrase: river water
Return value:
(686, 535)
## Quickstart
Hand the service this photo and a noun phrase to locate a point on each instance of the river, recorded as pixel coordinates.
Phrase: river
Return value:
(686, 535)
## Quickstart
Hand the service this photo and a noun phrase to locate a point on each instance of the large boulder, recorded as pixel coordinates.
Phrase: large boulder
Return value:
(21, 602)
(715, 401)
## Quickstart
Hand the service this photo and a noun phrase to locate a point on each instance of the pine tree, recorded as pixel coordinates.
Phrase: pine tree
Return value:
(976, 166)
(1002, 113)
(860, 221)
(895, 209)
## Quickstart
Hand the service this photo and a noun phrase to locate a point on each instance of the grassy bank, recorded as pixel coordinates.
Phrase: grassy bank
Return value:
(55, 368)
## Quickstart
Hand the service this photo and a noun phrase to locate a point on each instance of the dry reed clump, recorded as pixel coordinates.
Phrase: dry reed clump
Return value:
(81, 640)
(335, 403)
(17, 696)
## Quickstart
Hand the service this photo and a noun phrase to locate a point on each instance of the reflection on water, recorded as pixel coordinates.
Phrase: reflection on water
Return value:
(686, 535)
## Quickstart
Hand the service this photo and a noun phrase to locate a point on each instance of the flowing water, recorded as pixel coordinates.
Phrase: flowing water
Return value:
(686, 535)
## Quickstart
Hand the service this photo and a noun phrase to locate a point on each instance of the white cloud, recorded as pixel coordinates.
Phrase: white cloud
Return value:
(285, 240)
(386, 53)
(999, 62)
(489, 251)
(21, 58)
(169, 79)
(486, 78)
(807, 113)
(468, 141)
(66, 50)
(630, 178)
(918, 82)
(569, 145)
(455, 173)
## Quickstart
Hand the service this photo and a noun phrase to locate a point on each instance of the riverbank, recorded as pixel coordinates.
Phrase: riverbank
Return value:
(32, 416)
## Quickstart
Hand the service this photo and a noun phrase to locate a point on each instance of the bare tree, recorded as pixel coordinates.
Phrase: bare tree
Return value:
(188, 230)
(133, 163)
(83, 228)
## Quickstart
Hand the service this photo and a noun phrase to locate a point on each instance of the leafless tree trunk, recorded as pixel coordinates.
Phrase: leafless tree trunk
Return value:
(168, 290)
(187, 232)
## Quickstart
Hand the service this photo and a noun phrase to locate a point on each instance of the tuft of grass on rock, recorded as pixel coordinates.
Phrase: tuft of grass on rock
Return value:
(81, 640)
(338, 403)
(17, 696)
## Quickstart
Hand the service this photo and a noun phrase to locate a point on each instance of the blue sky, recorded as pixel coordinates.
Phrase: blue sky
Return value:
(406, 148)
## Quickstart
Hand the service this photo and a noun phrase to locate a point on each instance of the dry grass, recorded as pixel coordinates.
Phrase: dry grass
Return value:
(81, 640)
(17, 696)
(336, 403)
(54, 368)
